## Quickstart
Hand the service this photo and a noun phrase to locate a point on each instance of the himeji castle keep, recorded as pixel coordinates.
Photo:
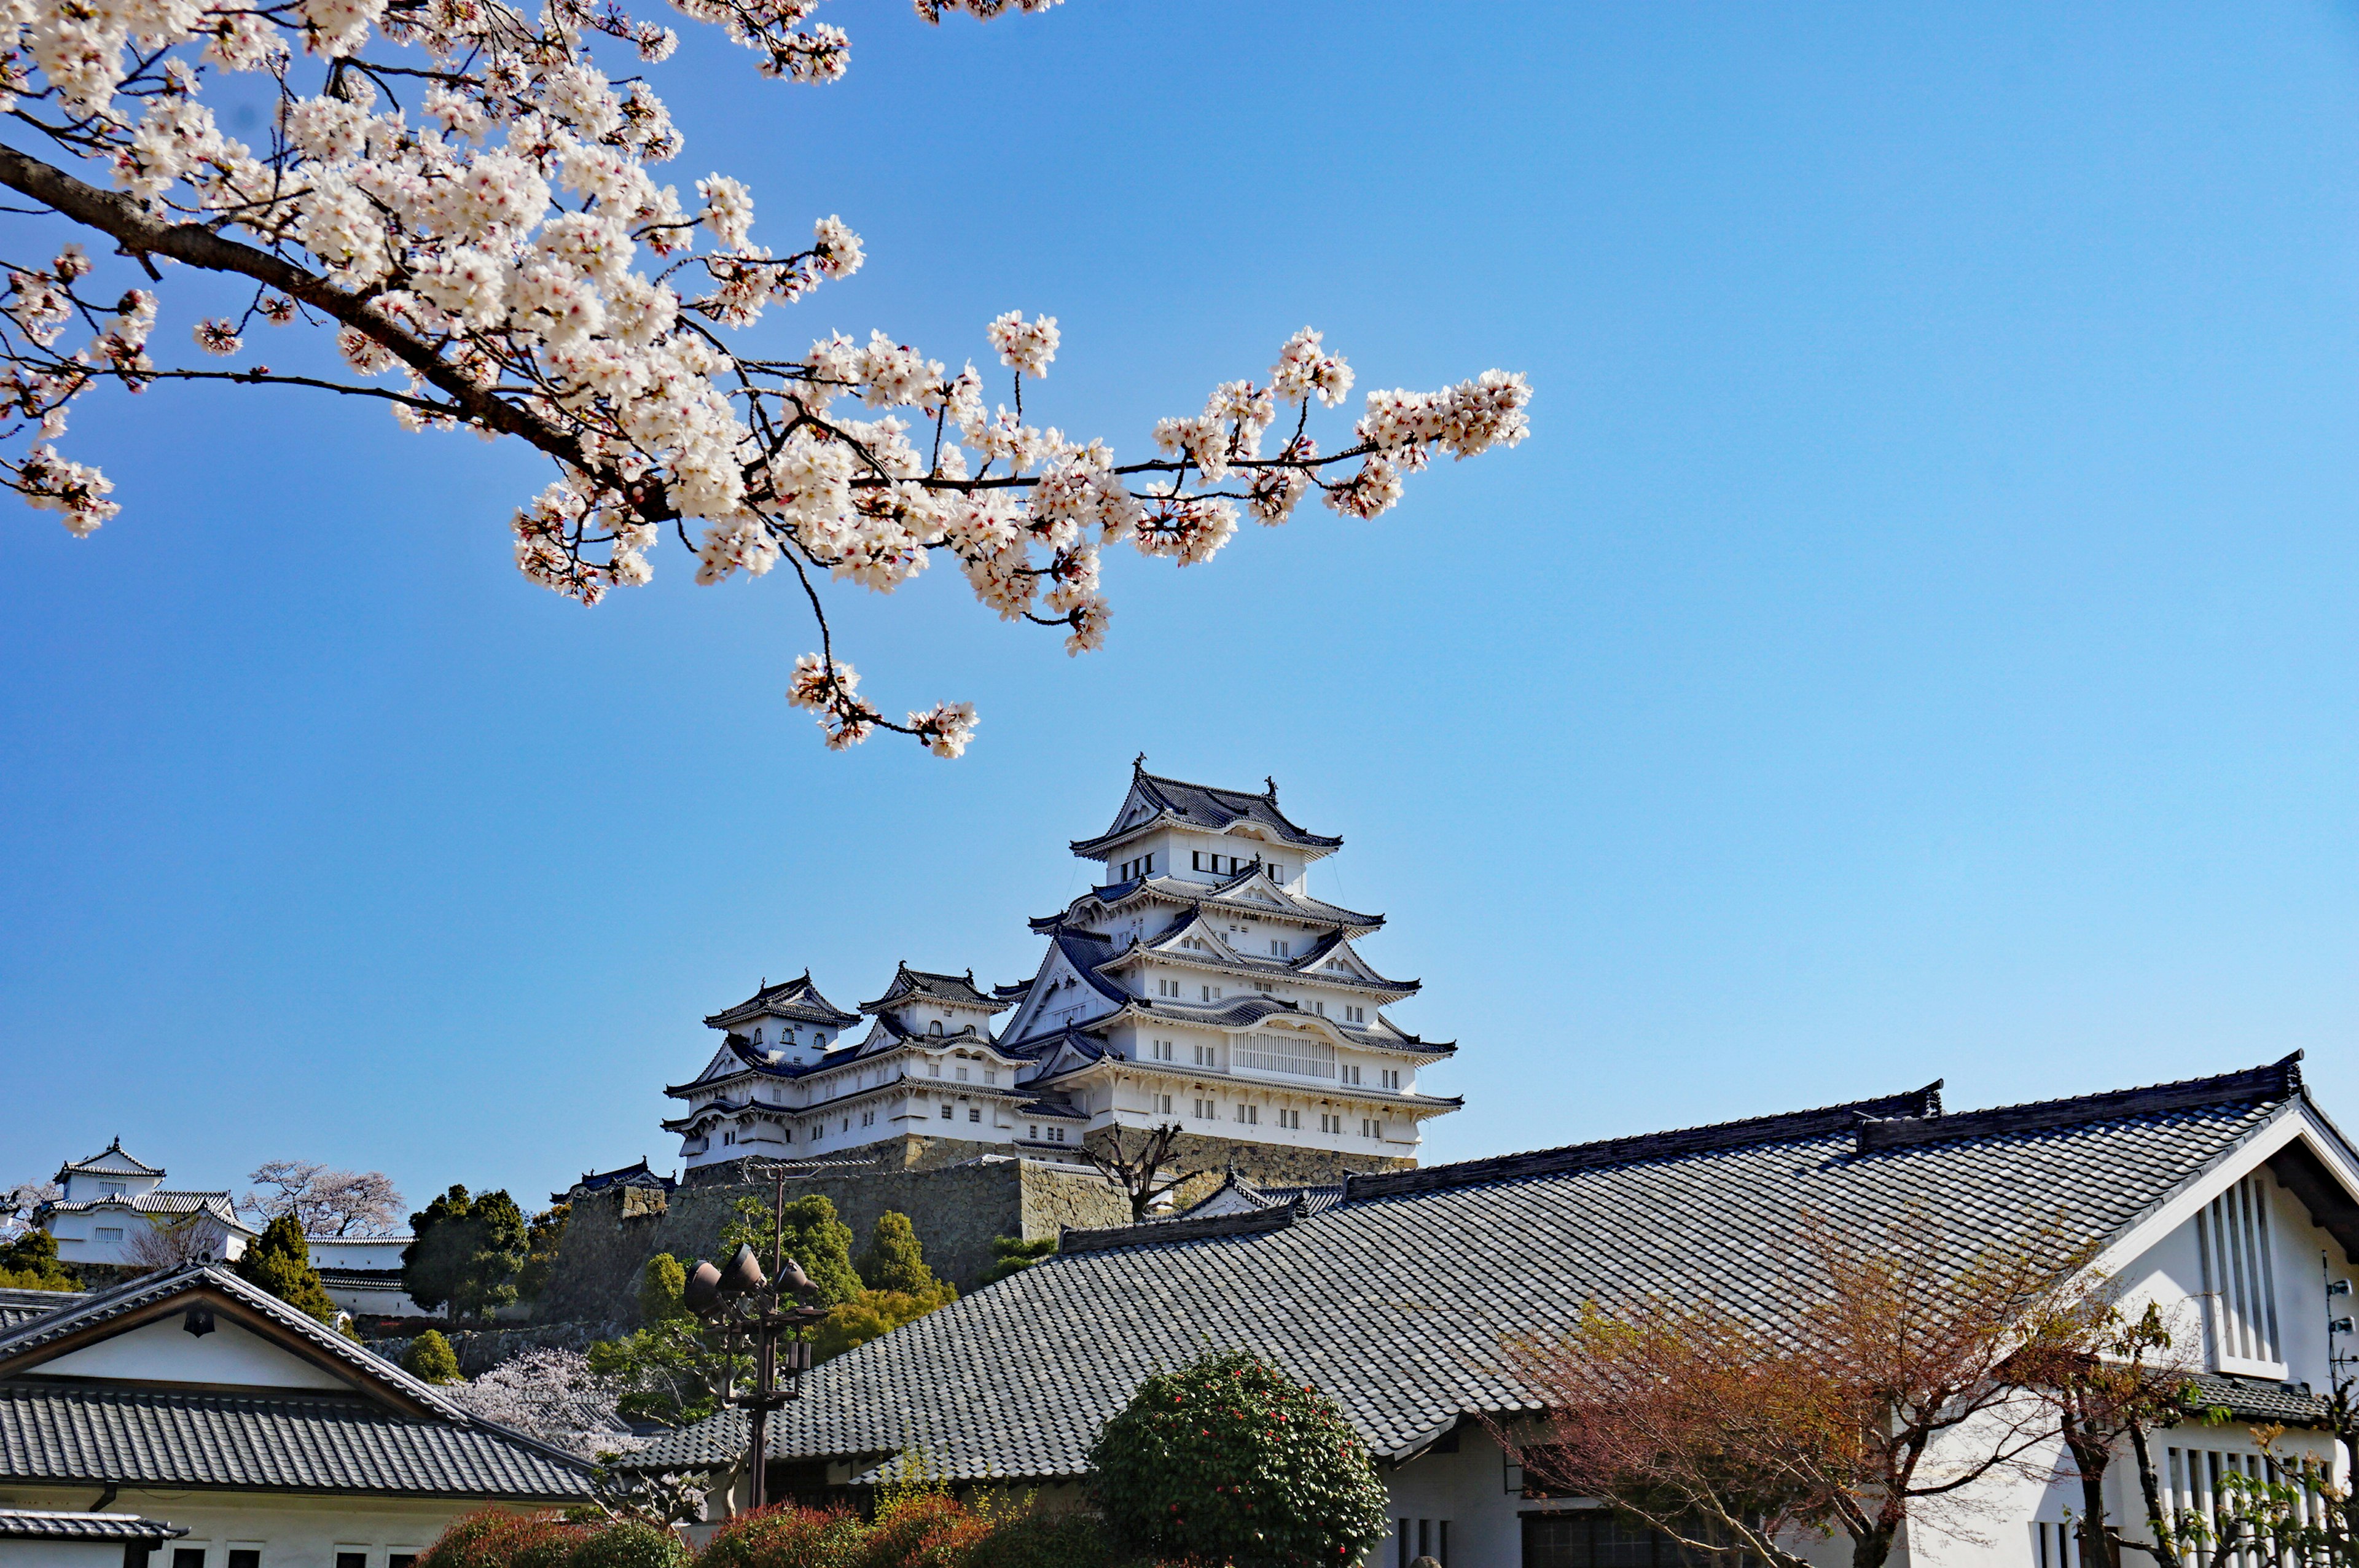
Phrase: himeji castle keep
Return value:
(1200, 982)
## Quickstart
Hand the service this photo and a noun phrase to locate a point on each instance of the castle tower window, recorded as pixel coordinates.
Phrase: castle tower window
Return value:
(934, 1027)
(974, 1113)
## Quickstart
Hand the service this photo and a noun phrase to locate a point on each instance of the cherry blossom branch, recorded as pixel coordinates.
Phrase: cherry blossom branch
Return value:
(486, 252)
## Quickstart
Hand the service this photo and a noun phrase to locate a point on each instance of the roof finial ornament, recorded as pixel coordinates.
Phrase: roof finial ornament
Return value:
(1138, 764)
(1272, 782)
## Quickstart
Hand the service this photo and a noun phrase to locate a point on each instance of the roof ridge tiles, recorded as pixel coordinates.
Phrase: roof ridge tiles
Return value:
(2280, 1079)
(1165, 1232)
(1787, 1127)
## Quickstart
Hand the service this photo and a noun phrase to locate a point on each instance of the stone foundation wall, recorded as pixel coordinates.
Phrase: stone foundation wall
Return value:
(1264, 1164)
(956, 1197)
(956, 1210)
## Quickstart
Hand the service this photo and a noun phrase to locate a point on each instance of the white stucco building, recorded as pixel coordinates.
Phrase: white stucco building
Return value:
(1199, 983)
(361, 1274)
(257, 1437)
(111, 1199)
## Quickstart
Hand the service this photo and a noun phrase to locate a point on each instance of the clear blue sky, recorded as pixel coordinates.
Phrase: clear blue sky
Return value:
(1918, 640)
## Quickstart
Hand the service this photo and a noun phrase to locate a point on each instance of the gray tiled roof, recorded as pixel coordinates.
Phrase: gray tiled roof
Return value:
(955, 988)
(391, 1434)
(268, 1440)
(151, 1290)
(2258, 1399)
(158, 1202)
(1394, 1300)
(1205, 807)
(797, 999)
(91, 1166)
(51, 1524)
(18, 1305)
(1190, 895)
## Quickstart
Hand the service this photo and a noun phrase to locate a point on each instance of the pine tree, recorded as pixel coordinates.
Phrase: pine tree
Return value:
(542, 1240)
(30, 1262)
(431, 1263)
(467, 1252)
(815, 1238)
(893, 1260)
(430, 1360)
(281, 1263)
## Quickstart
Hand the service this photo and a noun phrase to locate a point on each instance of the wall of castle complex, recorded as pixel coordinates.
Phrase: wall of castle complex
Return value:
(955, 1209)
(1264, 1164)
(956, 1205)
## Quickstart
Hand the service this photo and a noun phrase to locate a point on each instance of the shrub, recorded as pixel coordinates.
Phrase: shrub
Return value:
(491, 1539)
(430, 1360)
(1032, 1538)
(1229, 1460)
(631, 1543)
(660, 1288)
(30, 1262)
(280, 1262)
(1013, 1255)
(870, 1316)
(922, 1530)
(786, 1535)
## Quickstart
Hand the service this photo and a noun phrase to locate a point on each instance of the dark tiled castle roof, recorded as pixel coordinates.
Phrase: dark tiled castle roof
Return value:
(797, 1000)
(957, 990)
(1204, 806)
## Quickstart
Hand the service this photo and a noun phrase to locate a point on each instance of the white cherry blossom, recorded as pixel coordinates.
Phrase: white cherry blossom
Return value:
(458, 194)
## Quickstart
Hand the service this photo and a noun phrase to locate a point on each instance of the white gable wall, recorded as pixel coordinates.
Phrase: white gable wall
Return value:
(2165, 1269)
(165, 1352)
(289, 1532)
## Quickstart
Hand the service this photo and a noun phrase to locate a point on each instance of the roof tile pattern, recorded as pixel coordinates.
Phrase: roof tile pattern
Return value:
(19, 1306)
(1394, 1300)
(149, 1437)
(1203, 806)
(51, 1524)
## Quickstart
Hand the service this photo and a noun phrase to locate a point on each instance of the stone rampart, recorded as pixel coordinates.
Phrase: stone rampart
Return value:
(956, 1210)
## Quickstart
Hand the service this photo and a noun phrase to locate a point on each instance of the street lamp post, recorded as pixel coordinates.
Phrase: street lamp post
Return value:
(739, 1300)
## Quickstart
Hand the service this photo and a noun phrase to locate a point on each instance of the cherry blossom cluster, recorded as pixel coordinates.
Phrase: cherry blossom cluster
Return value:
(554, 1396)
(460, 195)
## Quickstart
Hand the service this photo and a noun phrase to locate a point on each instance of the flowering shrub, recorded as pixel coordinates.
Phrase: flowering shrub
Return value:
(1229, 1460)
(490, 1538)
(458, 194)
(785, 1536)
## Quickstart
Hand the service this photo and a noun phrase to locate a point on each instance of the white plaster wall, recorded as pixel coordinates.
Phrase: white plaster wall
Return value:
(358, 1253)
(165, 1352)
(71, 1554)
(1469, 1489)
(2168, 1274)
(290, 1531)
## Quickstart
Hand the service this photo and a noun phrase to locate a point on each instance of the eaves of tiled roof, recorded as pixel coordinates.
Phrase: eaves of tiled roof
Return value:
(53, 1524)
(1395, 1299)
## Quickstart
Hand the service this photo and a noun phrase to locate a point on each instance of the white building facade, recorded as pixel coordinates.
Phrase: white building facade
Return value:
(1200, 983)
(112, 1201)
